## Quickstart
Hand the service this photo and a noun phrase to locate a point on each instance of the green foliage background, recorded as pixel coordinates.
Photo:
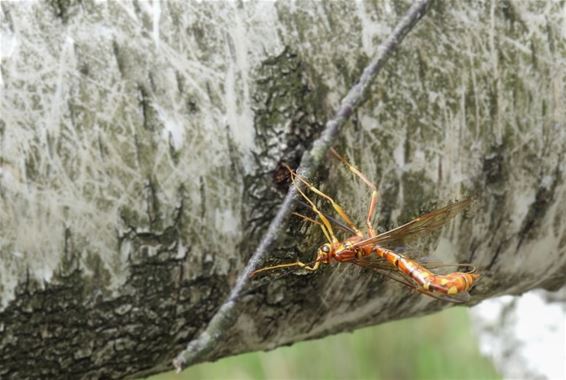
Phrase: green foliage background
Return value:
(440, 346)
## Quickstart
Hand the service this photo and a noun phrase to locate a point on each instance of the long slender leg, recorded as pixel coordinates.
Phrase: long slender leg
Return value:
(334, 204)
(326, 234)
(304, 217)
(374, 193)
(326, 227)
(297, 263)
(311, 266)
(334, 221)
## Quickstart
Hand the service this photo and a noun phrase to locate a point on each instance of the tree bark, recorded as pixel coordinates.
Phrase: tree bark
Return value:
(141, 151)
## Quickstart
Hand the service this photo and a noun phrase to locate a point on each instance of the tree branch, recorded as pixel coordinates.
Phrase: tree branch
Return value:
(226, 315)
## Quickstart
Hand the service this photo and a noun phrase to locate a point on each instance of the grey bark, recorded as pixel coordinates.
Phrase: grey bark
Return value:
(311, 160)
(140, 164)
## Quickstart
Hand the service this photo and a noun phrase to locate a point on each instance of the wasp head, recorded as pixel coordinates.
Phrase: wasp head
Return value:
(324, 253)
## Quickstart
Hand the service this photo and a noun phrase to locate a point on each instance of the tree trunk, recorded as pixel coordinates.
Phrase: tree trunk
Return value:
(141, 151)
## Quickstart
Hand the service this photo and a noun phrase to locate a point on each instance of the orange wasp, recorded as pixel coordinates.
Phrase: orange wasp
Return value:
(373, 250)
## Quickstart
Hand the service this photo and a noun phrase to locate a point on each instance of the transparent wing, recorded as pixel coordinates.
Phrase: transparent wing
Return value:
(381, 266)
(424, 223)
(435, 265)
(439, 267)
(411, 253)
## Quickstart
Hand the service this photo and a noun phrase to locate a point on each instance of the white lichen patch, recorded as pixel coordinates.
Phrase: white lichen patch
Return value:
(115, 117)
(96, 105)
(473, 105)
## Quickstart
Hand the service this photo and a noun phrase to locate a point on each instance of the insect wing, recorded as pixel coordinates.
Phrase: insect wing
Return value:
(383, 267)
(424, 223)
(374, 262)
(440, 267)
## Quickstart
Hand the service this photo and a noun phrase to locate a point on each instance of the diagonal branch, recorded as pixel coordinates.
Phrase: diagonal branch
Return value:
(226, 315)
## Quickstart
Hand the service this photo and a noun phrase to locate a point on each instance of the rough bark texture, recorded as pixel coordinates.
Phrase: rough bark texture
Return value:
(140, 163)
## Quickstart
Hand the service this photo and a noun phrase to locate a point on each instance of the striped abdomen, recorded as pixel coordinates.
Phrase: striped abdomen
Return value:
(449, 284)
(453, 283)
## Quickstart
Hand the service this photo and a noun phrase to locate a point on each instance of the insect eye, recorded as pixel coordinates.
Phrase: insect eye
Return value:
(325, 248)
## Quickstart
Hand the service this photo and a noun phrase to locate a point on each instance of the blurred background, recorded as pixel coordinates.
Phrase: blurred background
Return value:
(439, 346)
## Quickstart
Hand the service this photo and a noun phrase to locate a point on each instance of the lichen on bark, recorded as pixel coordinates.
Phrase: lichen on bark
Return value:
(140, 152)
